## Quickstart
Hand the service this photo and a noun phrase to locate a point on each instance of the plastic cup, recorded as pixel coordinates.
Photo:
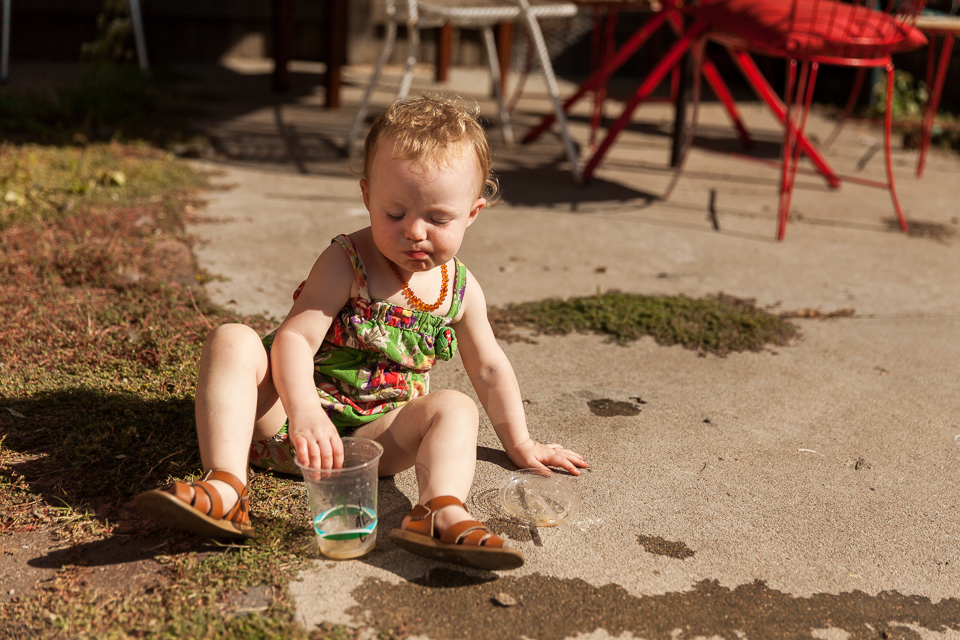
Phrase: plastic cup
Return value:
(343, 502)
(537, 497)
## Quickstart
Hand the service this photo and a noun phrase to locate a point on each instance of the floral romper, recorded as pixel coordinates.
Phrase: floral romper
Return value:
(375, 358)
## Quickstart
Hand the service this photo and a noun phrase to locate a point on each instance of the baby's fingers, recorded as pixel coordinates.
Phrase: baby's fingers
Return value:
(567, 465)
(331, 453)
(336, 445)
(566, 459)
(307, 453)
(319, 454)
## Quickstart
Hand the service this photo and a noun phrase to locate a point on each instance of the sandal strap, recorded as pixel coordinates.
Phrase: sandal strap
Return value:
(204, 497)
(226, 477)
(468, 532)
(418, 515)
(471, 533)
(200, 495)
(422, 511)
(240, 513)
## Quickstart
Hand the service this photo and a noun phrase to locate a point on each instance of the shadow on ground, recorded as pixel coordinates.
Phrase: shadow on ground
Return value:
(537, 606)
(93, 448)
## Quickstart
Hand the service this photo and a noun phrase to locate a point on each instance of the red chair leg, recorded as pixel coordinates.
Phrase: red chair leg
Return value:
(804, 100)
(669, 60)
(933, 102)
(766, 93)
(723, 94)
(599, 78)
(887, 134)
(786, 152)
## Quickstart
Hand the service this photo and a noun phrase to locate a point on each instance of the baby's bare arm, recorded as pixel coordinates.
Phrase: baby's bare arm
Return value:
(496, 385)
(325, 292)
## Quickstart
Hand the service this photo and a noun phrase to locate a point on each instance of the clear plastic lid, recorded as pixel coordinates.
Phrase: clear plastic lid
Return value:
(538, 497)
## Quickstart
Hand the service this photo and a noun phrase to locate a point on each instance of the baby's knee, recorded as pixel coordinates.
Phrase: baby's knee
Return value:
(233, 334)
(455, 404)
(233, 341)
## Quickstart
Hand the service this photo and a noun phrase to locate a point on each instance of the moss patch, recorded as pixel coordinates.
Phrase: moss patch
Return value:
(717, 324)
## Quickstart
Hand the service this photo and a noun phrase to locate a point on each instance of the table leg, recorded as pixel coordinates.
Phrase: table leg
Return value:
(335, 37)
(715, 80)
(444, 49)
(680, 106)
(282, 20)
(669, 60)
(336, 47)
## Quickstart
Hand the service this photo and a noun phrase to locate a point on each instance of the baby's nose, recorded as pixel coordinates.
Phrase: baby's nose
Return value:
(416, 229)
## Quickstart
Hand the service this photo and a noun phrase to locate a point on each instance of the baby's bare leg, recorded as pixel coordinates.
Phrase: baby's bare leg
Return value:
(236, 402)
(437, 434)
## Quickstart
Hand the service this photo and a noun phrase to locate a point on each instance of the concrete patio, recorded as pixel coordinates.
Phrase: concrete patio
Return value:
(807, 491)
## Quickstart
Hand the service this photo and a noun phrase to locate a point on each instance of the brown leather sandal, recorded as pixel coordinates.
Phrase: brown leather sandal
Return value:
(197, 507)
(469, 543)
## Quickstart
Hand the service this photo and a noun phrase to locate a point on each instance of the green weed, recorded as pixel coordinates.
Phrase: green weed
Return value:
(719, 324)
(907, 109)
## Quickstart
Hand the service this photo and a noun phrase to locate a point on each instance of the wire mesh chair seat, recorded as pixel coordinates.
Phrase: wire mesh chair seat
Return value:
(471, 14)
(852, 33)
(476, 13)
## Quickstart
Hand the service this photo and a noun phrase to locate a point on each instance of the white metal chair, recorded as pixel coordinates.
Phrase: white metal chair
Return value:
(137, 34)
(472, 14)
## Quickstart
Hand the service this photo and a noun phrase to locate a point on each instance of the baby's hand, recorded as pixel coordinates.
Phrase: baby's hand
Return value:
(534, 455)
(317, 445)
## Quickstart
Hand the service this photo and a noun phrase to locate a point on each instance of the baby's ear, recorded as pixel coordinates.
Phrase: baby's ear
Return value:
(365, 192)
(475, 211)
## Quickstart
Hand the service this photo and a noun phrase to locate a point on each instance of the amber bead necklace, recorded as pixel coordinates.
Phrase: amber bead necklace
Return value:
(413, 301)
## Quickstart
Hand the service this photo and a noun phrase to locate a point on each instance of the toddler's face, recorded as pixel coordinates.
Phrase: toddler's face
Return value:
(419, 214)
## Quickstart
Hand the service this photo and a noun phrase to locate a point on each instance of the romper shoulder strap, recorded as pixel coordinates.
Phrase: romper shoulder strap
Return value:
(459, 286)
(358, 269)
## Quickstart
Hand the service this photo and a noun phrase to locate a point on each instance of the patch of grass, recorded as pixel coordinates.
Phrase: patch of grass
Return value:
(718, 324)
(101, 329)
(47, 184)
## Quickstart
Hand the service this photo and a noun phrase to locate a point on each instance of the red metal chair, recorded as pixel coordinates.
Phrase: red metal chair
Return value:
(664, 13)
(686, 19)
(810, 33)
